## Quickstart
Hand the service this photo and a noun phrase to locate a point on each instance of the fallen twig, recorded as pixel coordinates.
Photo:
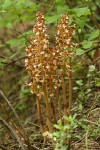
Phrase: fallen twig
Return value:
(17, 118)
(3, 147)
(13, 132)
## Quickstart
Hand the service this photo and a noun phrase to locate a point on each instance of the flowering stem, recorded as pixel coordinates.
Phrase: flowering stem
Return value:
(51, 101)
(59, 104)
(64, 86)
(64, 96)
(53, 110)
(40, 114)
(70, 88)
(48, 113)
(70, 98)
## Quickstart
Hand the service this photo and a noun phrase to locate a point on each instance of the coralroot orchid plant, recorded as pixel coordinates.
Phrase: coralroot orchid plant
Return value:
(48, 68)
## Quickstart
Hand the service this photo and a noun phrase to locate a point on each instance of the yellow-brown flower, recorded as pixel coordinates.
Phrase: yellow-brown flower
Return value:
(37, 52)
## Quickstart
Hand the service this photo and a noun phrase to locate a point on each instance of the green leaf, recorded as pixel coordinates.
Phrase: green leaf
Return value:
(91, 68)
(60, 2)
(74, 116)
(13, 42)
(79, 51)
(80, 22)
(82, 11)
(16, 42)
(94, 34)
(75, 88)
(87, 44)
(79, 82)
(26, 91)
(80, 107)
(69, 119)
(2, 11)
(97, 82)
(52, 19)
(66, 127)
(6, 4)
(57, 126)
(62, 9)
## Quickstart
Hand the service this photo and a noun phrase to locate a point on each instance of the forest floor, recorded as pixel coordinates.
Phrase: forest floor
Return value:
(89, 139)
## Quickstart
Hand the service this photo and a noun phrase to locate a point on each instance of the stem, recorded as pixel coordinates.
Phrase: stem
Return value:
(51, 100)
(53, 110)
(48, 113)
(59, 104)
(70, 99)
(86, 140)
(40, 114)
(70, 89)
(64, 97)
(64, 86)
(38, 106)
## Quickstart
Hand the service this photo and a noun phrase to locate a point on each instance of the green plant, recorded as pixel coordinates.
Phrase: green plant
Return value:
(59, 135)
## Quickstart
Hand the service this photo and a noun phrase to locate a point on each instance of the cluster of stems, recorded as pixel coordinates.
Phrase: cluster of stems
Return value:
(49, 67)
